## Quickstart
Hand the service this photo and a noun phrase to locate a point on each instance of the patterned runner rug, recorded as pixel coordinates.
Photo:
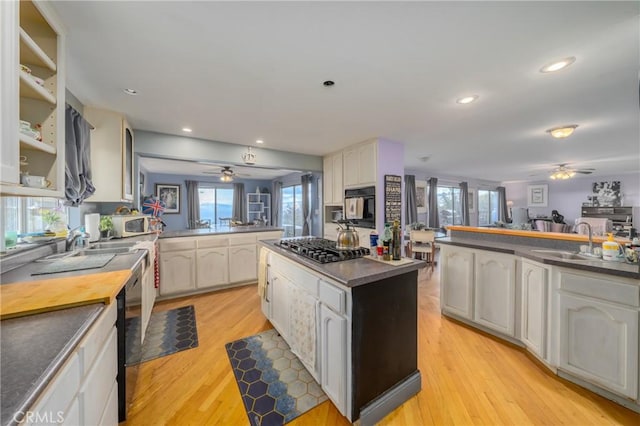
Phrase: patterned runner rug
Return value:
(274, 385)
(168, 332)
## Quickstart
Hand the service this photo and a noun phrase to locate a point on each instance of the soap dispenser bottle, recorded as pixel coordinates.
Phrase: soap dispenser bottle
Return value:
(611, 250)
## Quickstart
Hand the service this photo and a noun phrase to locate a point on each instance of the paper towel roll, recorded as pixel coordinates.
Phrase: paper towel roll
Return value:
(92, 226)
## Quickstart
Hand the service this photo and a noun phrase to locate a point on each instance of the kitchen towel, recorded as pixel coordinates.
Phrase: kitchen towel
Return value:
(262, 273)
(355, 207)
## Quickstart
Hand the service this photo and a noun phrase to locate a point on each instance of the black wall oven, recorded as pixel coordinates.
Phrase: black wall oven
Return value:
(368, 195)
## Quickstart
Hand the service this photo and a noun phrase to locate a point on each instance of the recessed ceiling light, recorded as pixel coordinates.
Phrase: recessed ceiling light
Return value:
(186, 129)
(558, 65)
(260, 141)
(562, 131)
(467, 99)
(328, 83)
(131, 92)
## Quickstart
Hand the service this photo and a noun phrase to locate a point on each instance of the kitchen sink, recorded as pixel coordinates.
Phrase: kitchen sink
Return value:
(112, 244)
(563, 254)
(84, 252)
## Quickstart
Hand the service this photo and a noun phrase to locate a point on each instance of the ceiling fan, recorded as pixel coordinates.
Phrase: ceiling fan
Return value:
(563, 171)
(226, 173)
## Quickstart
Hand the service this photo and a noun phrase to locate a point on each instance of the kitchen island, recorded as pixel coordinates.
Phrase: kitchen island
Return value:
(364, 348)
(578, 315)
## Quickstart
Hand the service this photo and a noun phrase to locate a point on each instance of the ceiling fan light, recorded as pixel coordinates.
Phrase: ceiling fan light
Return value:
(226, 178)
(562, 132)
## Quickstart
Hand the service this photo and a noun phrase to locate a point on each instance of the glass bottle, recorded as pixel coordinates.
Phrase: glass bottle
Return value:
(396, 241)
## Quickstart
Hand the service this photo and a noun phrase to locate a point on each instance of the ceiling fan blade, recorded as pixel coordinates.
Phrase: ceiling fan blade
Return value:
(584, 172)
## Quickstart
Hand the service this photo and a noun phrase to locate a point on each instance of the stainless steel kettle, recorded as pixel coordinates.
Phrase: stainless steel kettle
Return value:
(347, 237)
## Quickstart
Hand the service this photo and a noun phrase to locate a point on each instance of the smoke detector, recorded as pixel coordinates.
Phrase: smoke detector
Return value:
(249, 157)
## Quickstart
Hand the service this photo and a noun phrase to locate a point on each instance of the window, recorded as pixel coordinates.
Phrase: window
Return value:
(487, 207)
(449, 206)
(216, 203)
(34, 214)
(292, 219)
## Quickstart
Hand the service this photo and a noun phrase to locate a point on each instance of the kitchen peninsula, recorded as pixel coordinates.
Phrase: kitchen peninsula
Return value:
(535, 290)
(365, 353)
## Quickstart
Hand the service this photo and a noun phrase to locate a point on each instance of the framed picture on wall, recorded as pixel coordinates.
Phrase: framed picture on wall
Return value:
(472, 200)
(170, 195)
(537, 195)
(421, 196)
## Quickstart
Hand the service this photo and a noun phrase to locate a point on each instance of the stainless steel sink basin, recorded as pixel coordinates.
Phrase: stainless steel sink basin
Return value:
(84, 252)
(563, 254)
(111, 244)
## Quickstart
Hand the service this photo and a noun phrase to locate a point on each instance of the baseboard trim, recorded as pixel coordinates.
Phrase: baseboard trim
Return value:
(627, 403)
(377, 409)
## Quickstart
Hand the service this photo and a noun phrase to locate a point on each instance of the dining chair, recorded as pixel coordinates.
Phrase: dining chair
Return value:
(423, 242)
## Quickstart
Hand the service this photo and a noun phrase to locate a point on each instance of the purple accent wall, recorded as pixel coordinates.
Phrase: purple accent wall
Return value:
(390, 158)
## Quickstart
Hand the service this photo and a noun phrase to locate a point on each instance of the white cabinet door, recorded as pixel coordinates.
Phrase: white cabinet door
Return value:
(599, 343)
(177, 271)
(495, 291)
(350, 166)
(212, 267)
(534, 307)
(333, 356)
(280, 303)
(456, 281)
(367, 164)
(243, 263)
(148, 296)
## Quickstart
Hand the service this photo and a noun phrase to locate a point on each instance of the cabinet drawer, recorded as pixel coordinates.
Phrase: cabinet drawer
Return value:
(213, 242)
(174, 244)
(236, 240)
(110, 414)
(332, 296)
(95, 391)
(62, 389)
(271, 235)
(296, 274)
(601, 287)
(96, 337)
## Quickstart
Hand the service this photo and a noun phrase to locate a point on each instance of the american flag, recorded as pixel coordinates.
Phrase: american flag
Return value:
(152, 206)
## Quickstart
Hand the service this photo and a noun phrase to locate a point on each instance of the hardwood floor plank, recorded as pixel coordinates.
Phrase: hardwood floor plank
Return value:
(468, 378)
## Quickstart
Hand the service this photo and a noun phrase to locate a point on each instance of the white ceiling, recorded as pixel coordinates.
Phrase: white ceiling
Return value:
(239, 71)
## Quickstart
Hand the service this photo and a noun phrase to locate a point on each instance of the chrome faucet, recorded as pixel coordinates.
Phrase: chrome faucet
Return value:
(73, 236)
(590, 235)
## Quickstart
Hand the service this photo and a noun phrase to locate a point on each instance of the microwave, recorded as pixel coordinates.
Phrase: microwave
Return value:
(368, 196)
(131, 225)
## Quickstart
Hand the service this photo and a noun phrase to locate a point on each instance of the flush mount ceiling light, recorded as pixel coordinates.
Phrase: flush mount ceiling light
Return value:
(186, 129)
(558, 65)
(132, 92)
(249, 157)
(467, 99)
(260, 141)
(562, 131)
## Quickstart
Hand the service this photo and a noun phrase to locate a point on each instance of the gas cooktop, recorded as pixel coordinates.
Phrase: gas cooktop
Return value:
(320, 250)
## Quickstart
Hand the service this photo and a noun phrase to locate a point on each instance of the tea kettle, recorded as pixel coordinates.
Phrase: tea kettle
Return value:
(347, 237)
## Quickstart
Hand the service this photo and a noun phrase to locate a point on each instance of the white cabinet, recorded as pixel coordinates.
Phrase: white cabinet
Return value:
(177, 265)
(82, 391)
(148, 294)
(599, 337)
(495, 291)
(456, 280)
(32, 36)
(212, 267)
(359, 164)
(535, 288)
(112, 148)
(280, 303)
(243, 262)
(333, 356)
(258, 206)
(332, 179)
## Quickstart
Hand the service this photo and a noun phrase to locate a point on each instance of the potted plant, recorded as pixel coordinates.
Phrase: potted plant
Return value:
(106, 226)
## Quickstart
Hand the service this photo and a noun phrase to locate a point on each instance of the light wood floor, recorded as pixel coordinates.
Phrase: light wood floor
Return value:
(468, 378)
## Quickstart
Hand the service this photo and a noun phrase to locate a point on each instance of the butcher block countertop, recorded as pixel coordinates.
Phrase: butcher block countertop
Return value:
(33, 297)
(562, 236)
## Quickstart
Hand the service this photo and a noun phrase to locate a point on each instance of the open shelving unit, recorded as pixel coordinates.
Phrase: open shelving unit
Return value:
(258, 206)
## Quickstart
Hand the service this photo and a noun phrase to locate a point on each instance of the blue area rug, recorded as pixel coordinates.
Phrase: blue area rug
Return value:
(168, 332)
(274, 385)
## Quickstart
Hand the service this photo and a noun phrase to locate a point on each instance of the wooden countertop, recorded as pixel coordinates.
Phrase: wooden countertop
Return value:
(32, 297)
(535, 234)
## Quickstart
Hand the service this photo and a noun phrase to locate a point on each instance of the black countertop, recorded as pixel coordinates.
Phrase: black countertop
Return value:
(350, 273)
(33, 349)
(620, 269)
